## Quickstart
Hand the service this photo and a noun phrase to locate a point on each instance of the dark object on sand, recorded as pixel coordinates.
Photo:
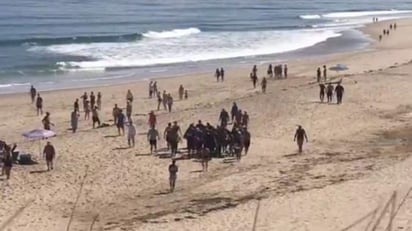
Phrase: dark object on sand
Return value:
(25, 159)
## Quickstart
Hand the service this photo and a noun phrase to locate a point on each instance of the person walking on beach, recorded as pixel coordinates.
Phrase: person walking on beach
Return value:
(46, 122)
(155, 88)
(84, 98)
(325, 77)
(152, 137)
(115, 114)
(223, 118)
(254, 70)
(92, 100)
(285, 71)
(234, 111)
(169, 102)
(164, 100)
(245, 119)
(99, 100)
(167, 135)
(175, 134)
(87, 110)
(222, 74)
(49, 153)
(300, 136)
(33, 93)
(246, 139)
(159, 100)
(318, 74)
(329, 93)
(76, 105)
(339, 93)
(181, 92)
(322, 92)
(254, 79)
(217, 75)
(131, 134)
(39, 104)
(270, 71)
(7, 163)
(120, 122)
(74, 120)
(129, 96)
(264, 83)
(173, 169)
(152, 119)
(129, 110)
(95, 117)
(205, 158)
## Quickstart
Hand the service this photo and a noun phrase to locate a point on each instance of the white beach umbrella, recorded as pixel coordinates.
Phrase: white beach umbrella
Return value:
(39, 134)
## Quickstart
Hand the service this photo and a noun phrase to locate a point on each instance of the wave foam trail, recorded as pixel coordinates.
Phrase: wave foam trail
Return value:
(355, 14)
(310, 16)
(176, 33)
(202, 47)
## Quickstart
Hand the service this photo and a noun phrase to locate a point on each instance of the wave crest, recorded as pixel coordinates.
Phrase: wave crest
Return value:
(310, 16)
(176, 33)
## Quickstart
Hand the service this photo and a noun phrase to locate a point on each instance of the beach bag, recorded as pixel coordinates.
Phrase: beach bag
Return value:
(25, 159)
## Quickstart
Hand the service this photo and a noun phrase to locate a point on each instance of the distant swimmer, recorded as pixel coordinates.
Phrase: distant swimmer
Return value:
(322, 92)
(339, 93)
(33, 93)
(173, 169)
(329, 92)
(300, 137)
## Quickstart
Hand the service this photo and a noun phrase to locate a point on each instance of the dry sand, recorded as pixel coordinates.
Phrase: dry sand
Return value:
(357, 155)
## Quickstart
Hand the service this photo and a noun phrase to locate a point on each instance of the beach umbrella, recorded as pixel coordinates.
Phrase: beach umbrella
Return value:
(339, 67)
(39, 134)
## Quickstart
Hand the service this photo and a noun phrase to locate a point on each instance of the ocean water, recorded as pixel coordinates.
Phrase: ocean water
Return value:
(73, 43)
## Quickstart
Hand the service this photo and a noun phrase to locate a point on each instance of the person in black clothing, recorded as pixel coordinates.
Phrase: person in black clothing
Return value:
(329, 93)
(339, 93)
(254, 70)
(223, 118)
(300, 136)
(322, 92)
(222, 74)
(39, 104)
(285, 71)
(190, 136)
(217, 74)
(254, 79)
(33, 93)
(173, 169)
(234, 111)
(92, 100)
(324, 73)
(76, 106)
(246, 139)
(270, 71)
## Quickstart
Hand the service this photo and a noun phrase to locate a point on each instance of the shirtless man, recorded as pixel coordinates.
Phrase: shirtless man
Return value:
(300, 136)
(120, 122)
(329, 93)
(164, 97)
(167, 134)
(159, 100)
(322, 92)
(49, 153)
(129, 110)
(173, 169)
(46, 122)
(32, 93)
(318, 74)
(76, 105)
(339, 93)
(324, 73)
(92, 100)
(39, 104)
(181, 92)
(115, 114)
(222, 74)
(217, 74)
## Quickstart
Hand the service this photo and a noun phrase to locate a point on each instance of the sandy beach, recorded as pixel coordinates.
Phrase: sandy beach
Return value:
(358, 153)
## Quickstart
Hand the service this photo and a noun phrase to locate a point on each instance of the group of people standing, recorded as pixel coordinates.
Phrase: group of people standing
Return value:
(220, 74)
(278, 71)
(330, 90)
(386, 32)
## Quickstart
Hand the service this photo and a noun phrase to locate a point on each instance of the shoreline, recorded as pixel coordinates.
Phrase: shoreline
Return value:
(339, 46)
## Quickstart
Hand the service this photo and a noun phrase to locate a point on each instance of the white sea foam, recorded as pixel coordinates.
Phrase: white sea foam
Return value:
(13, 85)
(200, 47)
(355, 14)
(176, 33)
(310, 16)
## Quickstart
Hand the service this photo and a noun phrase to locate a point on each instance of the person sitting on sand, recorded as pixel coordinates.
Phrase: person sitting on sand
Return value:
(329, 92)
(181, 92)
(33, 93)
(300, 136)
(95, 117)
(217, 74)
(49, 153)
(159, 100)
(87, 110)
(322, 92)
(169, 102)
(115, 114)
(173, 169)
(74, 120)
(223, 118)
(152, 137)
(39, 104)
(46, 122)
(92, 100)
(129, 96)
(339, 93)
(264, 83)
(120, 122)
(129, 110)
(152, 119)
(222, 74)
(99, 100)
(131, 134)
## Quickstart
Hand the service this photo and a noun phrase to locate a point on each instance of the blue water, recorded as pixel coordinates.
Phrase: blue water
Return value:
(66, 43)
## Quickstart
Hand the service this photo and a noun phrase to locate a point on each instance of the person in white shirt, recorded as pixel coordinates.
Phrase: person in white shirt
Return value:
(131, 133)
